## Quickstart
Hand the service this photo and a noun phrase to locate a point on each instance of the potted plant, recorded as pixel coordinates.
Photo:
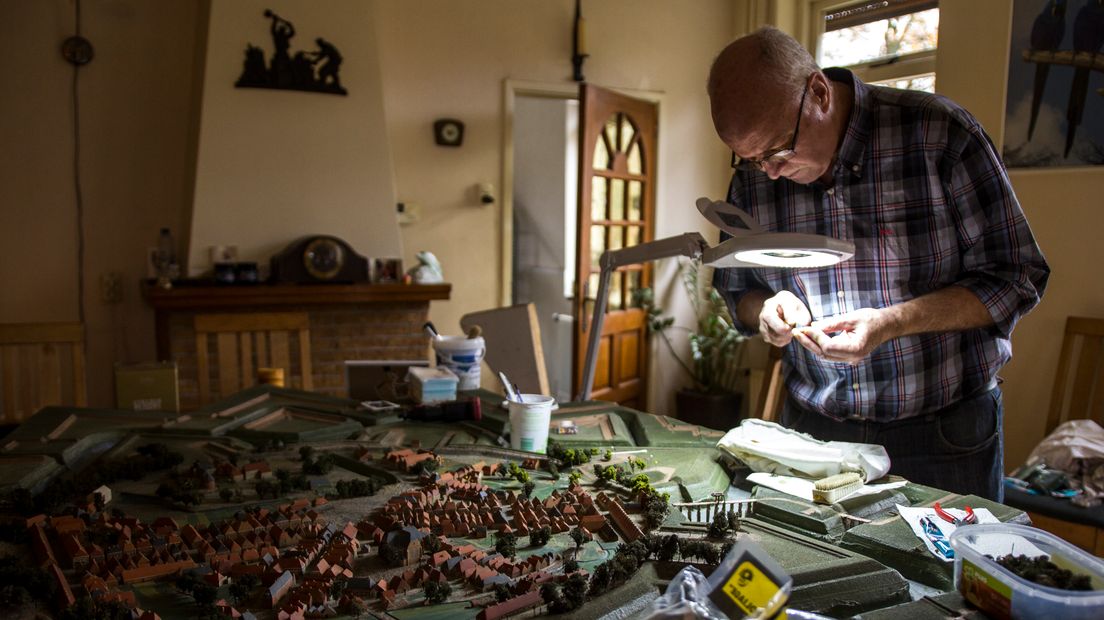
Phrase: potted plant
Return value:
(716, 352)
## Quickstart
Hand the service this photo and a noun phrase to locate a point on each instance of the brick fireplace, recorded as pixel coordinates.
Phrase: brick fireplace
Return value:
(347, 322)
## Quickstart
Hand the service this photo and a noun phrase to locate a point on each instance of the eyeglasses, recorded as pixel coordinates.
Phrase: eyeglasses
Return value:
(777, 157)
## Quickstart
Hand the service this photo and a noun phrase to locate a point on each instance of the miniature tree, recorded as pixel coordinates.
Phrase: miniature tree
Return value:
(733, 521)
(719, 527)
(574, 591)
(437, 592)
(600, 579)
(391, 555)
(431, 544)
(554, 470)
(571, 565)
(338, 588)
(608, 455)
(575, 477)
(540, 537)
(226, 494)
(579, 535)
(506, 544)
(656, 509)
(502, 592)
(306, 453)
(528, 487)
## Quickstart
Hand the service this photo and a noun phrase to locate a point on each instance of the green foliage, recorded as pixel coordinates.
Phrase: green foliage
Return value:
(575, 476)
(656, 508)
(540, 537)
(568, 456)
(607, 455)
(320, 466)
(715, 343)
(502, 592)
(517, 473)
(391, 555)
(528, 487)
(427, 466)
(437, 592)
(506, 544)
(355, 488)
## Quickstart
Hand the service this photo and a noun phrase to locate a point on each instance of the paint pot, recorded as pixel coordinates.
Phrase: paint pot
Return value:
(529, 422)
(462, 356)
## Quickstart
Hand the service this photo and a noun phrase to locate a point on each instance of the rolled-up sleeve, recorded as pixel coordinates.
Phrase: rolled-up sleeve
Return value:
(1001, 262)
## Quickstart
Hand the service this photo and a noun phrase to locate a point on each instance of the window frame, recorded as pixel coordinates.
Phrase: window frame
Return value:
(901, 67)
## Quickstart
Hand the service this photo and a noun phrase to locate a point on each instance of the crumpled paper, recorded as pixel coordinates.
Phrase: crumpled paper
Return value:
(772, 448)
(1077, 448)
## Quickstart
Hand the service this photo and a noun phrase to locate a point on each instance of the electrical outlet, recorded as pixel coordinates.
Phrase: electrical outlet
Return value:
(409, 212)
(111, 287)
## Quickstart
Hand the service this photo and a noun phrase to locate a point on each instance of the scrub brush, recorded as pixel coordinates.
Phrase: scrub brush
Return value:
(834, 488)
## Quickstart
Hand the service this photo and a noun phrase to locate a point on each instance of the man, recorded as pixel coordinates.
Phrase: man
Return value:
(899, 346)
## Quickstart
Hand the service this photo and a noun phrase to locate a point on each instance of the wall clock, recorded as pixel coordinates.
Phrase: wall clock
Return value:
(319, 258)
(448, 132)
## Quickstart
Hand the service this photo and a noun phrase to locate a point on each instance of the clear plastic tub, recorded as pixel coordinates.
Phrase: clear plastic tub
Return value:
(1002, 594)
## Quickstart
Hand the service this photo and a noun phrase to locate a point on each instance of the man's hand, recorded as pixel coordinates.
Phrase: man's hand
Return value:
(854, 335)
(780, 315)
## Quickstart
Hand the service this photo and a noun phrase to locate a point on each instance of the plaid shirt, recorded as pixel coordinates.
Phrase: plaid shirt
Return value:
(920, 190)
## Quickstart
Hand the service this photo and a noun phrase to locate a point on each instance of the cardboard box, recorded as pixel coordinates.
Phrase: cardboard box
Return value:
(150, 386)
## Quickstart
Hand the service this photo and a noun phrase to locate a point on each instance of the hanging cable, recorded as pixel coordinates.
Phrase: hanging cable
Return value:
(76, 176)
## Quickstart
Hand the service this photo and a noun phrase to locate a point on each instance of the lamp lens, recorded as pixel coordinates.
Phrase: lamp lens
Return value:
(789, 258)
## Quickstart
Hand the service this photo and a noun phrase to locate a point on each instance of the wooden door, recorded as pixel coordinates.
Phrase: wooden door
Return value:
(617, 172)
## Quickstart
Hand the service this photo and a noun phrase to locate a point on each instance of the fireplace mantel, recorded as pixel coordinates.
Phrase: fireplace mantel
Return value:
(348, 321)
(229, 297)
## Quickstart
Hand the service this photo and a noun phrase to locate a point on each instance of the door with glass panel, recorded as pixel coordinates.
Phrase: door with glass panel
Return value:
(617, 172)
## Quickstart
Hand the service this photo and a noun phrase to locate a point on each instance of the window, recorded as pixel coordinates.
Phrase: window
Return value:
(887, 42)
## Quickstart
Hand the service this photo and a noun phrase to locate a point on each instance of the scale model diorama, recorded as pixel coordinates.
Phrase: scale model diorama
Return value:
(283, 504)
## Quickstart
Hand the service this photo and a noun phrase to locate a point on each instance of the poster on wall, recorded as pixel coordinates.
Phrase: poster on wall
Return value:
(1054, 113)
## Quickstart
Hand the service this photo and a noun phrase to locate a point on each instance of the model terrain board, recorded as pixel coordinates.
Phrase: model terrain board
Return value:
(283, 504)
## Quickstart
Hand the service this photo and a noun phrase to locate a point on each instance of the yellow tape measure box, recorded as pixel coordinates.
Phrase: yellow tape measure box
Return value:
(751, 579)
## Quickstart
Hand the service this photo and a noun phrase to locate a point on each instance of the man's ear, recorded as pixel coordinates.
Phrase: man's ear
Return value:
(820, 91)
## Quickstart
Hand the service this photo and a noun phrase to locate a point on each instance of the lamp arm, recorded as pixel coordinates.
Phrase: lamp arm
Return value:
(691, 245)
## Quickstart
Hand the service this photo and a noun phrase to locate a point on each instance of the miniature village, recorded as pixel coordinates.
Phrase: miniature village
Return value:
(289, 505)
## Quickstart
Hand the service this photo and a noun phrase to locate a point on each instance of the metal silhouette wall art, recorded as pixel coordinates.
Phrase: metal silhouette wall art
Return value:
(315, 71)
(1055, 107)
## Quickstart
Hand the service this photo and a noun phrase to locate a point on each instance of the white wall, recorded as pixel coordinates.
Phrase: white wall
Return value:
(1062, 205)
(275, 165)
(448, 58)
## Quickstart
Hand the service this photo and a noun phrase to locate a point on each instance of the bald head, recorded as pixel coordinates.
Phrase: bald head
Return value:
(753, 76)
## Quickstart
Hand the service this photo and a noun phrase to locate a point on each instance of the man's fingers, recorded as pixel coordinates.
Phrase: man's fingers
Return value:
(796, 314)
(804, 340)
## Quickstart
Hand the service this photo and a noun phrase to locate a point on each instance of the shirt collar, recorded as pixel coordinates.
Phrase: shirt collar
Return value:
(857, 135)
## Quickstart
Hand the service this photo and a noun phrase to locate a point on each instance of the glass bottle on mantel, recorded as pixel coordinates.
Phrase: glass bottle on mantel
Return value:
(164, 259)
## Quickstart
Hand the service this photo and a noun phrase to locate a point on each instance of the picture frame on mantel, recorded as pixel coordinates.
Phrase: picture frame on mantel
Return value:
(1054, 108)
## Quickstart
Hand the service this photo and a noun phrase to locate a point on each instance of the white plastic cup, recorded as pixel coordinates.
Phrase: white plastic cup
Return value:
(529, 422)
(461, 355)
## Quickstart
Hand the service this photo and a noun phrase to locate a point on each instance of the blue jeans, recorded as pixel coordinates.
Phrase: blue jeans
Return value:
(959, 448)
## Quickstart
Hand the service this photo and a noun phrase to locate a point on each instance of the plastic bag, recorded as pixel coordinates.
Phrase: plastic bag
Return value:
(687, 597)
(772, 448)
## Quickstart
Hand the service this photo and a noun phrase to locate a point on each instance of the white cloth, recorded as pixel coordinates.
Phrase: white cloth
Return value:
(772, 448)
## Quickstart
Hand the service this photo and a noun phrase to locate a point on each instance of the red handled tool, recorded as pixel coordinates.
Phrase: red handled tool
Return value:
(969, 519)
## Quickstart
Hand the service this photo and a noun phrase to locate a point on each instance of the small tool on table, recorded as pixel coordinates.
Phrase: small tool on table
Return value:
(938, 540)
(969, 519)
(512, 392)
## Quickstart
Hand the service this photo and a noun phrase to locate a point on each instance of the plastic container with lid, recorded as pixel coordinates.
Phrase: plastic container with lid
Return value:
(1002, 594)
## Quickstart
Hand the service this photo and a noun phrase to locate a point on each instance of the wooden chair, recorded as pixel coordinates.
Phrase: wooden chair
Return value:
(1079, 383)
(246, 342)
(772, 392)
(41, 364)
(514, 346)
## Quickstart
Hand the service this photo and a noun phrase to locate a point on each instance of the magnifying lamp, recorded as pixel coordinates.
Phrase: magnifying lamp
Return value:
(748, 246)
